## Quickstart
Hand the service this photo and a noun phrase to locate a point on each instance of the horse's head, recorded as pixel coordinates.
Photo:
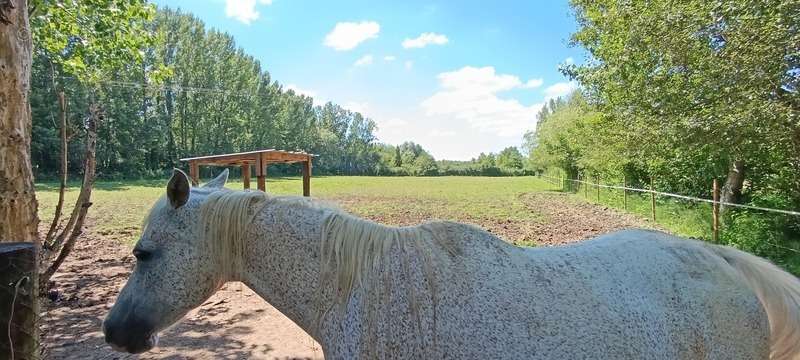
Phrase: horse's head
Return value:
(174, 273)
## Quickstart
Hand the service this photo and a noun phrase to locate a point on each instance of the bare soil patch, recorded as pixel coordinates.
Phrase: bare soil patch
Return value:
(237, 324)
(567, 219)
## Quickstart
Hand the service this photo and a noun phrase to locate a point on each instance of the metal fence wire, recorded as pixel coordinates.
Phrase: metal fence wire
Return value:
(555, 181)
(715, 202)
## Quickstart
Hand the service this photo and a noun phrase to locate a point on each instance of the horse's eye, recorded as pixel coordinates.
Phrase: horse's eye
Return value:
(141, 255)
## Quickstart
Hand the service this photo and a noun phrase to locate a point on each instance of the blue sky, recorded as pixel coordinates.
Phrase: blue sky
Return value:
(458, 77)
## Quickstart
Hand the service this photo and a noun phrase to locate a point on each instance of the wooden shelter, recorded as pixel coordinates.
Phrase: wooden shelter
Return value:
(259, 160)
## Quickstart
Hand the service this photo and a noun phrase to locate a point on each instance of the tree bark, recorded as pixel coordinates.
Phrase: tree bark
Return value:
(18, 218)
(732, 190)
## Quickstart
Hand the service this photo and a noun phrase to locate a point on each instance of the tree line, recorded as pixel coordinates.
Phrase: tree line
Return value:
(192, 92)
(410, 159)
(177, 89)
(680, 94)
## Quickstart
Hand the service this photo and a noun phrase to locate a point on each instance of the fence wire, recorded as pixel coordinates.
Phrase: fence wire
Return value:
(677, 196)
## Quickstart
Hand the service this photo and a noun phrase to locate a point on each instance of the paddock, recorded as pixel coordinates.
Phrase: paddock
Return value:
(235, 323)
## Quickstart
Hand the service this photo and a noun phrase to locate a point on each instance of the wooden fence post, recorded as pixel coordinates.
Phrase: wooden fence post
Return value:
(653, 199)
(715, 211)
(307, 177)
(597, 180)
(194, 173)
(18, 301)
(261, 173)
(245, 175)
(625, 192)
(585, 188)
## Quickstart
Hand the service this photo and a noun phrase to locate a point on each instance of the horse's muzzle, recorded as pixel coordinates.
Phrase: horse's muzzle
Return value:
(132, 337)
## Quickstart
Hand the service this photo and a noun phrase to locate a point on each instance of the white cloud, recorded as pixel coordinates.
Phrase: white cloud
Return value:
(392, 123)
(359, 107)
(347, 35)
(244, 10)
(569, 61)
(559, 89)
(534, 83)
(300, 91)
(442, 133)
(364, 60)
(424, 40)
(389, 58)
(408, 64)
(470, 94)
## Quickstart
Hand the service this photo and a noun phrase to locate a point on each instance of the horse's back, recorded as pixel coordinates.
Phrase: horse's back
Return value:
(630, 294)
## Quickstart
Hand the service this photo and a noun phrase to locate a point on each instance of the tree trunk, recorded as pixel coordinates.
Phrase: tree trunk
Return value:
(18, 218)
(62, 105)
(169, 107)
(65, 241)
(732, 190)
(18, 208)
(795, 160)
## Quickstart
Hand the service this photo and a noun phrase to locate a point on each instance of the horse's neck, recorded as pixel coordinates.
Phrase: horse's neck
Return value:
(282, 259)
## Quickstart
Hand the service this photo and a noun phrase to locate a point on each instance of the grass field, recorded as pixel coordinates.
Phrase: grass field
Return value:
(119, 207)
(495, 203)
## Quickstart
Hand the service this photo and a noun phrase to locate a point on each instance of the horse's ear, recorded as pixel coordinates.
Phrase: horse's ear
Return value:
(178, 189)
(219, 181)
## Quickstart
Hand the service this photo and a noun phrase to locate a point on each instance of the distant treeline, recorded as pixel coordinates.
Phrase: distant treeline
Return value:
(196, 92)
(410, 159)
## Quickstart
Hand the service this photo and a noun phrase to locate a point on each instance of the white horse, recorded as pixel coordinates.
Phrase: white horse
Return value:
(448, 290)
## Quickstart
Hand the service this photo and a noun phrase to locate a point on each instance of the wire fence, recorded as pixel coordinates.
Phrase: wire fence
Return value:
(556, 181)
(570, 184)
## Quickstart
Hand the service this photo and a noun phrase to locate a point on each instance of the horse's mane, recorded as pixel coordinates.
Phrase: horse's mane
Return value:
(357, 247)
(225, 216)
(354, 254)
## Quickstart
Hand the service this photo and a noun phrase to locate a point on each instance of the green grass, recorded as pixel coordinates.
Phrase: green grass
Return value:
(119, 206)
(756, 232)
(680, 217)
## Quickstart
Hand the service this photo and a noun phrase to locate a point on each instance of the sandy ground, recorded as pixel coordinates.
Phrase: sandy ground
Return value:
(235, 323)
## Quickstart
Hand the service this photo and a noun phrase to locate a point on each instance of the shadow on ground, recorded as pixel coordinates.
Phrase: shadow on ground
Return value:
(233, 324)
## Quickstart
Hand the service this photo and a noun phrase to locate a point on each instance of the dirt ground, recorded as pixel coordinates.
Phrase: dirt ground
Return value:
(235, 323)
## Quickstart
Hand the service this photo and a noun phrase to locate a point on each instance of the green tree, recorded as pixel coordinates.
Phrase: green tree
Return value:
(691, 80)
(510, 158)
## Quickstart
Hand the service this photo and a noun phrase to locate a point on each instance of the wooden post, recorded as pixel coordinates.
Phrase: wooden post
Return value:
(246, 175)
(307, 177)
(585, 189)
(715, 211)
(597, 180)
(625, 192)
(194, 173)
(18, 295)
(653, 199)
(261, 173)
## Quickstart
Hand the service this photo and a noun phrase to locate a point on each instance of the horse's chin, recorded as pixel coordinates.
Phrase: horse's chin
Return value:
(138, 348)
